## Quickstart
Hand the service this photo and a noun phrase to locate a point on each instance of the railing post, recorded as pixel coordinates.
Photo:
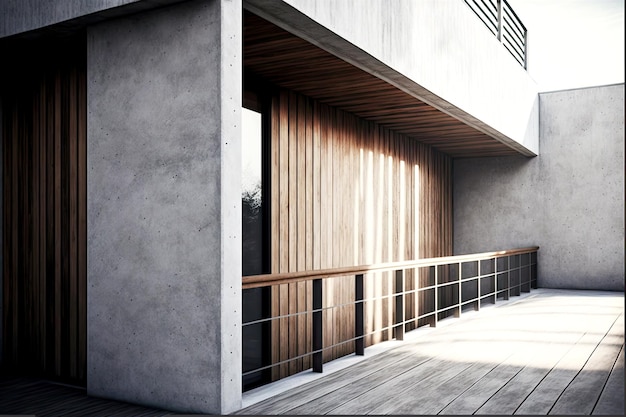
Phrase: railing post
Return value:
(359, 326)
(524, 276)
(518, 272)
(499, 4)
(399, 328)
(433, 321)
(533, 269)
(526, 50)
(495, 280)
(508, 277)
(458, 312)
(478, 288)
(317, 325)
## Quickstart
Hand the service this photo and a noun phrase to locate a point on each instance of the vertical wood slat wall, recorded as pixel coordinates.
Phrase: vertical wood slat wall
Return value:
(44, 212)
(345, 191)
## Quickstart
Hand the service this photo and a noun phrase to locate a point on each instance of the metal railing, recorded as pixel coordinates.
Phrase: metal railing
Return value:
(443, 286)
(504, 23)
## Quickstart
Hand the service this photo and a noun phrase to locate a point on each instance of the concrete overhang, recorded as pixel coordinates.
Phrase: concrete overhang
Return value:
(289, 49)
(33, 19)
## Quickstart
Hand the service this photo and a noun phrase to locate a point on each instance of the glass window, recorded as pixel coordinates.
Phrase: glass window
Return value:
(256, 303)
(252, 192)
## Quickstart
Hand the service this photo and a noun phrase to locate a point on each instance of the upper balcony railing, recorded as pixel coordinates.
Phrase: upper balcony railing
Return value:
(502, 21)
(418, 292)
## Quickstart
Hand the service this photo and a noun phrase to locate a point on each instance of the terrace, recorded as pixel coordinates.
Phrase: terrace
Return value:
(543, 352)
(376, 303)
(376, 166)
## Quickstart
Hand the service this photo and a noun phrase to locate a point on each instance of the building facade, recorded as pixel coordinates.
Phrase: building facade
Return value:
(387, 134)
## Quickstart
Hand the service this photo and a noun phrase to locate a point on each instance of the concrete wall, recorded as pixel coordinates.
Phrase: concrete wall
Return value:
(569, 200)
(18, 16)
(436, 50)
(164, 208)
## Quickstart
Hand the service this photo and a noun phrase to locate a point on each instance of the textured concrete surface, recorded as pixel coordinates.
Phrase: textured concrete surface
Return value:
(457, 65)
(18, 16)
(569, 200)
(164, 215)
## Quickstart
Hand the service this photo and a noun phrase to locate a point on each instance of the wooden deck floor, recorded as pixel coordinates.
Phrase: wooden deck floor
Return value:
(549, 352)
(27, 396)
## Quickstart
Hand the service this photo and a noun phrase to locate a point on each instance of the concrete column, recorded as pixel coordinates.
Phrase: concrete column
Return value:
(164, 215)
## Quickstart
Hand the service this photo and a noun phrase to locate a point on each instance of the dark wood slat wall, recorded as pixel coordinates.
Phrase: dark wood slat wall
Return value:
(346, 191)
(45, 212)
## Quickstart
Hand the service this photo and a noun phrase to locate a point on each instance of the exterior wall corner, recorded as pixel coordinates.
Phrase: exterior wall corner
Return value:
(164, 215)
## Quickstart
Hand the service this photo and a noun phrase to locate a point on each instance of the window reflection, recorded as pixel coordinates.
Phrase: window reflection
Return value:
(252, 193)
(255, 301)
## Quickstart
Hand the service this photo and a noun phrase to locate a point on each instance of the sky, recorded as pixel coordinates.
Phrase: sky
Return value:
(573, 43)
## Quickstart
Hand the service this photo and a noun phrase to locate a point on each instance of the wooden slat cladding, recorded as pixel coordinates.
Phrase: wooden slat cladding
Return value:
(44, 209)
(346, 191)
(295, 64)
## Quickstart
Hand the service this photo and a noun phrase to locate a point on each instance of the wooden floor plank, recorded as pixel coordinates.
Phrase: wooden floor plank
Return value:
(432, 400)
(611, 400)
(404, 400)
(553, 351)
(365, 394)
(46, 395)
(480, 392)
(582, 394)
(371, 398)
(547, 392)
(350, 385)
(27, 396)
(515, 358)
(449, 373)
(542, 359)
(428, 373)
(296, 397)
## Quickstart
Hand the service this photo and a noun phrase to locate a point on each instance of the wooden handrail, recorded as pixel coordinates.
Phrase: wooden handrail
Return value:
(256, 281)
(490, 282)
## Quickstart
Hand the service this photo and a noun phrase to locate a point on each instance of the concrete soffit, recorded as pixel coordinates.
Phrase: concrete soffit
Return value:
(42, 20)
(292, 20)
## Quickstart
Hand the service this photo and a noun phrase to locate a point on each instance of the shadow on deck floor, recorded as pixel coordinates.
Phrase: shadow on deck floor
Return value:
(36, 397)
(551, 352)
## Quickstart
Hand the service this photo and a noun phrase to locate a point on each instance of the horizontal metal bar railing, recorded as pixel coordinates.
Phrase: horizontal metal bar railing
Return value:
(501, 20)
(479, 278)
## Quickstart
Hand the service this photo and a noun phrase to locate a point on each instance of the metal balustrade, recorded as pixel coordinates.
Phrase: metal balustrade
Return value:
(503, 22)
(453, 284)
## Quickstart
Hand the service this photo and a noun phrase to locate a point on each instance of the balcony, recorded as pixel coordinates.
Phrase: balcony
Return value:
(546, 352)
(373, 303)
(542, 352)
(500, 18)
